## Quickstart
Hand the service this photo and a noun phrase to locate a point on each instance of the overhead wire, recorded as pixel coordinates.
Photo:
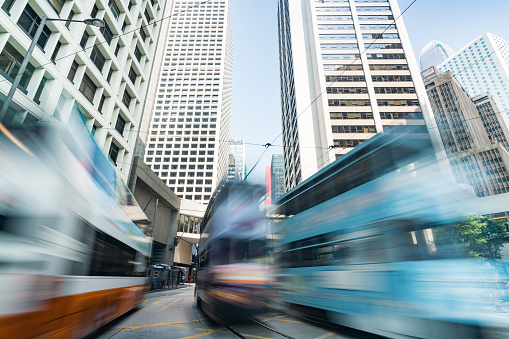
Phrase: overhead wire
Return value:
(349, 66)
(114, 37)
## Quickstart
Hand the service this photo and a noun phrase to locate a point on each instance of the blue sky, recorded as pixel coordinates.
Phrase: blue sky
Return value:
(256, 113)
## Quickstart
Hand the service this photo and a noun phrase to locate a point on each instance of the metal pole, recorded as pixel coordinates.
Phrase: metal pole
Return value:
(21, 70)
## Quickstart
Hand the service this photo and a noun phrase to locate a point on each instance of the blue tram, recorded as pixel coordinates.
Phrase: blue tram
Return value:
(365, 246)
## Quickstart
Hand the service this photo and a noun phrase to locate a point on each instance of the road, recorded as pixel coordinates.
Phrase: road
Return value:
(174, 314)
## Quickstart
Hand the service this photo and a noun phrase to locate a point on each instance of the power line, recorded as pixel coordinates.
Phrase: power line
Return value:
(116, 37)
(349, 66)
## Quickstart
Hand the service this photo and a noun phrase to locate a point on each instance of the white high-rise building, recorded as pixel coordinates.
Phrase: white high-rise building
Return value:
(189, 122)
(347, 73)
(238, 150)
(103, 73)
(483, 66)
(434, 53)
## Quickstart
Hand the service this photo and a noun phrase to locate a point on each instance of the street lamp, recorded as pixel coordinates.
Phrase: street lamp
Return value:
(21, 71)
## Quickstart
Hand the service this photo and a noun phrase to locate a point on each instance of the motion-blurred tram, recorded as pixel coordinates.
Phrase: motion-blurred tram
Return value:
(364, 246)
(70, 259)
(232, 275)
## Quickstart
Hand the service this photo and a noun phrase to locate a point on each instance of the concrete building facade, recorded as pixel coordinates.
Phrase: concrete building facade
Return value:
(188, 123)
(237, 148)
(473, 134)
(104, 71)
(149, 190)
(347, 72)
(483, 66)
(434, 53)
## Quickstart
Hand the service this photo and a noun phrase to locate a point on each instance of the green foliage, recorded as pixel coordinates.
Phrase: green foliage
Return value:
(473, 236)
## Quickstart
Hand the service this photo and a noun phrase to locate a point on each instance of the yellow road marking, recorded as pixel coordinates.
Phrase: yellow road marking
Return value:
(326, 335)
(201, 334)
(143, 309)
(275, 318)
(160, 324)
(189, 303)
(170, 303)
(157, 302)
(144, 301)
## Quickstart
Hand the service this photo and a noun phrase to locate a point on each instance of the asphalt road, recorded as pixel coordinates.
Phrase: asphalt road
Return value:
(174, 314)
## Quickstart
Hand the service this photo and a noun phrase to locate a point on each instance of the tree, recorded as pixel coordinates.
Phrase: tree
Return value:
(473, 236)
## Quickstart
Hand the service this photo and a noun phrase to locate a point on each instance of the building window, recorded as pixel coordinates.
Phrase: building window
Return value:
(38, 93)
(120, 125)
(55, 51)
(101, 103)
(117, 49)
(95, 10)
(7, 5)
(147, 16)
(113, 153)
(29, 21)
(72, 71)
(107, 33)
(114, 9)
(124, 25)
(110, 73)
(126, 99)
(88, 88)
(132, 75)
(97, 58)
(10, 61)
(137, 54)
(57, 5)
(143, 34)
(84, 39)
(69, 17)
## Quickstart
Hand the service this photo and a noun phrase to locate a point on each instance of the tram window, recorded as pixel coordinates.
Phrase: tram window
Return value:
(373, 250)
(241, 250)
(221, 252)
(405, 246)
(256, 249)
(112, 257)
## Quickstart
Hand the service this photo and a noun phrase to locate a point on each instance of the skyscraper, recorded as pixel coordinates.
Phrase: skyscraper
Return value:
(483, 66)
(102, 73)
(473, 134)
(237, 148)
(347, 72)
(190, 117)
(277, 177)
(233, 174)
(434, 54)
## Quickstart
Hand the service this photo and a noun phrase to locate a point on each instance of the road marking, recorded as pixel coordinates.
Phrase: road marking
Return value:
(160, 324)
(143, 309)
(170, 303)
(189, 303)
(275, 318)
(326, 335)
(145, 301)
(157, 302)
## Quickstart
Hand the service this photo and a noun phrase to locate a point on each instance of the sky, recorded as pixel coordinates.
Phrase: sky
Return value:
(256, 110)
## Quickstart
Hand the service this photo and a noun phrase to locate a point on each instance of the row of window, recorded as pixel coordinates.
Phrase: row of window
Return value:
(353, 129)
(369, 115)
(370, 56)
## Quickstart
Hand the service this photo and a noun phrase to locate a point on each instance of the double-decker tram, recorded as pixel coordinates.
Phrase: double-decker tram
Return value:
(368, 243)
(232, 275)
(70, 259)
